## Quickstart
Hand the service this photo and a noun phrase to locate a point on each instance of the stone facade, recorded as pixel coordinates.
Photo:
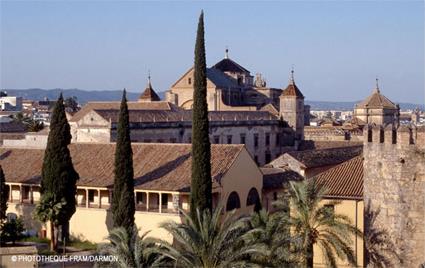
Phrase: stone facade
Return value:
(263, 134)
(394, 181)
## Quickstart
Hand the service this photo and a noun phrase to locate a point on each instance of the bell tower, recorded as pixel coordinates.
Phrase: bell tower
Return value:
(292, 107)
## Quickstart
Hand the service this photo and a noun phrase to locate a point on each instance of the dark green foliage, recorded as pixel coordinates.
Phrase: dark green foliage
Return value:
(58, 176)
(315, 224)
(4, 195)
(71, 104)
(211, 239)
(12, 230)
(123, 206)
(30, 124)
(130, 249)
(201, 186)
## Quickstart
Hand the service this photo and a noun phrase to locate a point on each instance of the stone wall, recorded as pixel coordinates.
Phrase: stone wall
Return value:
(394, 181)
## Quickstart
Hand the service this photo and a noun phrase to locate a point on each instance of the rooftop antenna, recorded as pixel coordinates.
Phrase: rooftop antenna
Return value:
(226, 54)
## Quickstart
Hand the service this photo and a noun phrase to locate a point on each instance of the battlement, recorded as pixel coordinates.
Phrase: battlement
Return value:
(392, 134)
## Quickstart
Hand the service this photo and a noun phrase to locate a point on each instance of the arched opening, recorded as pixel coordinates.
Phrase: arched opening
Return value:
(253, 199)
(233, 202)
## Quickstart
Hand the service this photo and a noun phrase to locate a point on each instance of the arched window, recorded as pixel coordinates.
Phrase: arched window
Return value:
(253, 199)
(233, 201)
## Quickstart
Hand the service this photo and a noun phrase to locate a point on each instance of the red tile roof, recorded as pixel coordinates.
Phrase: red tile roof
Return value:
(344, 180)
(292, 90)
(156, 166)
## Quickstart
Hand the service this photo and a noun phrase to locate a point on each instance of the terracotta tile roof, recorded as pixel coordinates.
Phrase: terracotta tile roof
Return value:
(292, 90)
(270, 108)
(311, 145)
(228, 65)
(115, 105)
(138, 116)
(344, 180)
(156, 166)
(274, 178)
(149, 94)
(325, 157)
(376, 100)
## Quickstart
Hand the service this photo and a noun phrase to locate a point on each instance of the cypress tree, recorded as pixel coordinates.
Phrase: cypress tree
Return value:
(123, 206)
(201, 185)
(4, 195)
(58, 176)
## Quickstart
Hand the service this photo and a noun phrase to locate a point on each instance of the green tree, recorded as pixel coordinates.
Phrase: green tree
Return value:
(209, 240)
(12, 230)
(72, 103)
(29, 123)
(123, 206)
(201, 185)
(130, 249)
(379, 248)
(4, 195)
(312, 223)
(271, 230)
(58, 176)
(50, 209)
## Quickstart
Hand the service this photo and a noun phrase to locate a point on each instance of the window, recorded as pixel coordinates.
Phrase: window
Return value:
(140, 198)
(268, 157)
(255, 140)
(160, 140)
(173, 140)
(274, 196)
(216, 139)
(189, 81)
(277, 139)
(233, 202)
(229, 139)
(91, 195)
(243, 139)
(267, 139)
(147, 140)
(253, 199)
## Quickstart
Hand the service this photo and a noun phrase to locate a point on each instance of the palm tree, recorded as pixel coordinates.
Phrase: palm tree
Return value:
(272, 231)
(379, 248)
(130, 249)
(314, 224)
(49, 210)
(209, 240)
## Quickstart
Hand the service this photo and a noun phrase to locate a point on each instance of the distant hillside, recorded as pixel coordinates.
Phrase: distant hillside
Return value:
(348, 106)
(84, 96)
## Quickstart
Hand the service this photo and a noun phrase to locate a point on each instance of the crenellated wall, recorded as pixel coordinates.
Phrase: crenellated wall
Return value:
(394, 180)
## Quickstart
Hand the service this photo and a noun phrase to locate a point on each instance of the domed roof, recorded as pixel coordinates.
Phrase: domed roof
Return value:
(228, 65)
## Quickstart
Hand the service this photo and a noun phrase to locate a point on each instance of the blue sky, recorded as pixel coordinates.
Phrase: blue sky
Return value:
(338, 48)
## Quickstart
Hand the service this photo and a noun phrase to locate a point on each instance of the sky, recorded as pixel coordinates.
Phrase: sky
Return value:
(337, 48)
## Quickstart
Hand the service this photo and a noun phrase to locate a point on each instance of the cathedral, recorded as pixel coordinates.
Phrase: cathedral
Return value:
(231, 87)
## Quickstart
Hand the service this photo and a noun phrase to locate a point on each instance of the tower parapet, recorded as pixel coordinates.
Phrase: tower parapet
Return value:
(395, 135)
(394, 182)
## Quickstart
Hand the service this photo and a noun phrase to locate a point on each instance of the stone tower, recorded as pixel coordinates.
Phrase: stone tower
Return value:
(394, 181)
(377, 109)
(292, 107)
